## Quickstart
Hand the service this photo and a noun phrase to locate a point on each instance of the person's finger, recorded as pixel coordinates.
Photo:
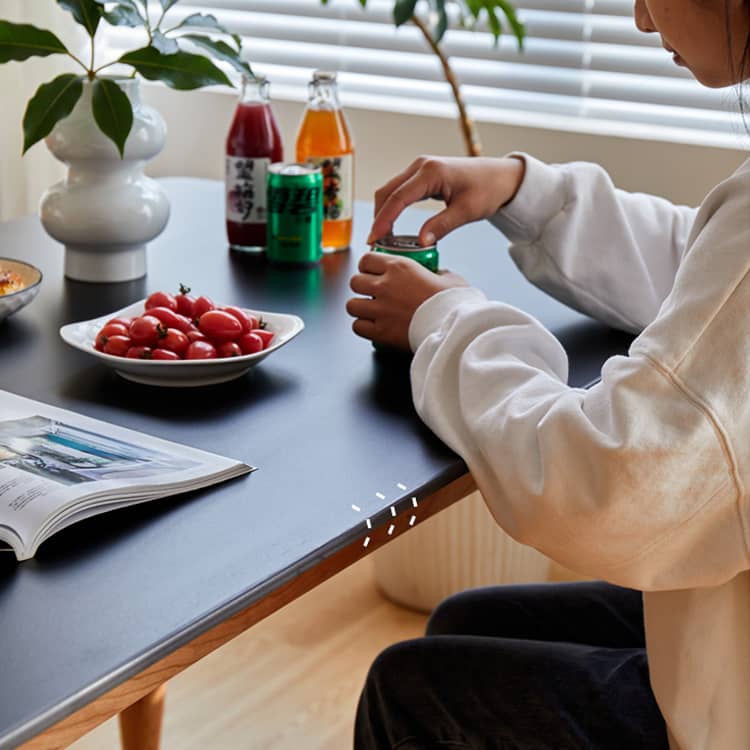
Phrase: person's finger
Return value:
(375, 263)
(411, 191)
(444, 222)
(364, 328)
(363, 283)
(360, 307)
(385, 190)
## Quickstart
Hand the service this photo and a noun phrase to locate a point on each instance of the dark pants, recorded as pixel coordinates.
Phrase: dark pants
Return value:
(539, 667)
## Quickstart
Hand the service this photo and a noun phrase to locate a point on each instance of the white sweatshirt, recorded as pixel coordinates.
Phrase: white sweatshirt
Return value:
(642, 480)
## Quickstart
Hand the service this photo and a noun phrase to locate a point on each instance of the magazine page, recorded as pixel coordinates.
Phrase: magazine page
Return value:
(51, 458)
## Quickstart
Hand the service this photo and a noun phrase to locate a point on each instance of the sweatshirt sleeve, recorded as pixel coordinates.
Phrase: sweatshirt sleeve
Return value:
(605, 252)
(624, 481)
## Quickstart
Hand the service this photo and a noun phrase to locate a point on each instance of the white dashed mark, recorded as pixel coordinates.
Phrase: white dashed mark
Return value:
(412, 520)
(380, 496)
(367, 541)
(390, 529)
(401, 486)
(369, 523)
(414, 501)
(356, 507)
(393, 511)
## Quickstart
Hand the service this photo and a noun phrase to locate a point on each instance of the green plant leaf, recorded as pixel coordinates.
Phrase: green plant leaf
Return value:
(19, 41)
(208, 22)
(86, 12)
(403, 10)
(221, 51)
(518, 29)
(51, 103)
(438, 19)
(112, 111)
(164, 44)
(125, 13)
(180, 71)
(167, 4)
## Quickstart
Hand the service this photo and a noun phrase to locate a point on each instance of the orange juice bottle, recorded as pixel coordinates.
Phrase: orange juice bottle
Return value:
(324, 141)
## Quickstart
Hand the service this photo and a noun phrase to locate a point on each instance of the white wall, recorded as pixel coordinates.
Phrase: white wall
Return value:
(386, 142)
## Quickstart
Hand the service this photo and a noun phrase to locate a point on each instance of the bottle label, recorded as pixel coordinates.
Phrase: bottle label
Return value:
(337, 185)
(246, 189)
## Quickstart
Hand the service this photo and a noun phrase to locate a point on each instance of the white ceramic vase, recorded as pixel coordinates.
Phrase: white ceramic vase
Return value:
(106, 209)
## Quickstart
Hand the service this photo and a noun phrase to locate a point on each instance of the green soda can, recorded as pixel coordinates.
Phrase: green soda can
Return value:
(295, 214)
(408, 246)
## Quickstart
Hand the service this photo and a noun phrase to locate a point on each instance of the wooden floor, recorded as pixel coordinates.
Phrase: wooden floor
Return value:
(292, 681)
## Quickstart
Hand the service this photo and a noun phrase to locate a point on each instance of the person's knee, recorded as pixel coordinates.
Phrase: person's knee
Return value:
(448, 617)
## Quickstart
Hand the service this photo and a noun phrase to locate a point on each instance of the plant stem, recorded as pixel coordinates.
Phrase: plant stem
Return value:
(92, 73)
(468, 128)
(106, 65)
(79, 61)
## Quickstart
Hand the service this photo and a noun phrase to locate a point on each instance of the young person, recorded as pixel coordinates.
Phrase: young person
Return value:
(641, 481)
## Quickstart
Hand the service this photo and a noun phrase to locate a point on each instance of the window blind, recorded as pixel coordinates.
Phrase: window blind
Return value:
(585, 66)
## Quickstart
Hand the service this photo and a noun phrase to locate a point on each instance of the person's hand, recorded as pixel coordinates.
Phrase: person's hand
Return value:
(473, 188)
(394, 287)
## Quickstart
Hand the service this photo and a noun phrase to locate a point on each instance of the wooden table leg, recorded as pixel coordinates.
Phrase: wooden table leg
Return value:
(140, 724)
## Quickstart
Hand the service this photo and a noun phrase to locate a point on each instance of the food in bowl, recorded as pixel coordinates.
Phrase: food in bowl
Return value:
(10, 282)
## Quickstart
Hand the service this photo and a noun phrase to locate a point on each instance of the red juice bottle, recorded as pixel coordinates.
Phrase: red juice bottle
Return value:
(253, 143)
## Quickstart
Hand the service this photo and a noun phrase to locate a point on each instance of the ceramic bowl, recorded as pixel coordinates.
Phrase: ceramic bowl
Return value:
(32, 279)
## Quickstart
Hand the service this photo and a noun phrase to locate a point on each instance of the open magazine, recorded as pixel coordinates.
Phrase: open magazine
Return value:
(58, 467)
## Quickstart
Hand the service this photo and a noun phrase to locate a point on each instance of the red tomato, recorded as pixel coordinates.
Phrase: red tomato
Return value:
(195, 335)
(161, 299)
(202, 305)
(254, 321)
(266, 336)
(165, 354)
(200, 350)
(245, 320)
(185, 303)
(251, 343)
(171, 319)
(139, 352)
(228, 349)
(111, 329)
(173, 340)
(117, 345)
(120, 321)
(145, 330)
(220, 326)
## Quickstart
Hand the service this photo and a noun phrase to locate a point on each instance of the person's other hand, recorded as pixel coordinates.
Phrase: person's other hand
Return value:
(473, 188)
(394, 287)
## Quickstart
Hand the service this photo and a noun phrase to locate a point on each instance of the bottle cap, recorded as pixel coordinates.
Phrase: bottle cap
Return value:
(324, 76)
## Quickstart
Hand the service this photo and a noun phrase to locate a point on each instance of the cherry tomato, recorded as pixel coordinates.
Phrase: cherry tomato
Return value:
(117, 345)
(266, 336)
(202, 305)
(251, 343)
(173, 340)
(195, 335)
(120, 321)
(139, 352)
(161, 299)
(145, 330)
(185, 303)
(254, 321)
(111, 329)
(165, 354)
(228, 349)
(220, 326)
(200, 350)
(171, 319)
(245, 320)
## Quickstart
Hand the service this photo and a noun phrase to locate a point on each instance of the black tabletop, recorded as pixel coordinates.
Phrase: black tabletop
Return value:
(328, 423)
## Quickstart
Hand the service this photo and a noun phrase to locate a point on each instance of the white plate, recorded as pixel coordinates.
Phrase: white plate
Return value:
(32, 280)
(185, 373)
